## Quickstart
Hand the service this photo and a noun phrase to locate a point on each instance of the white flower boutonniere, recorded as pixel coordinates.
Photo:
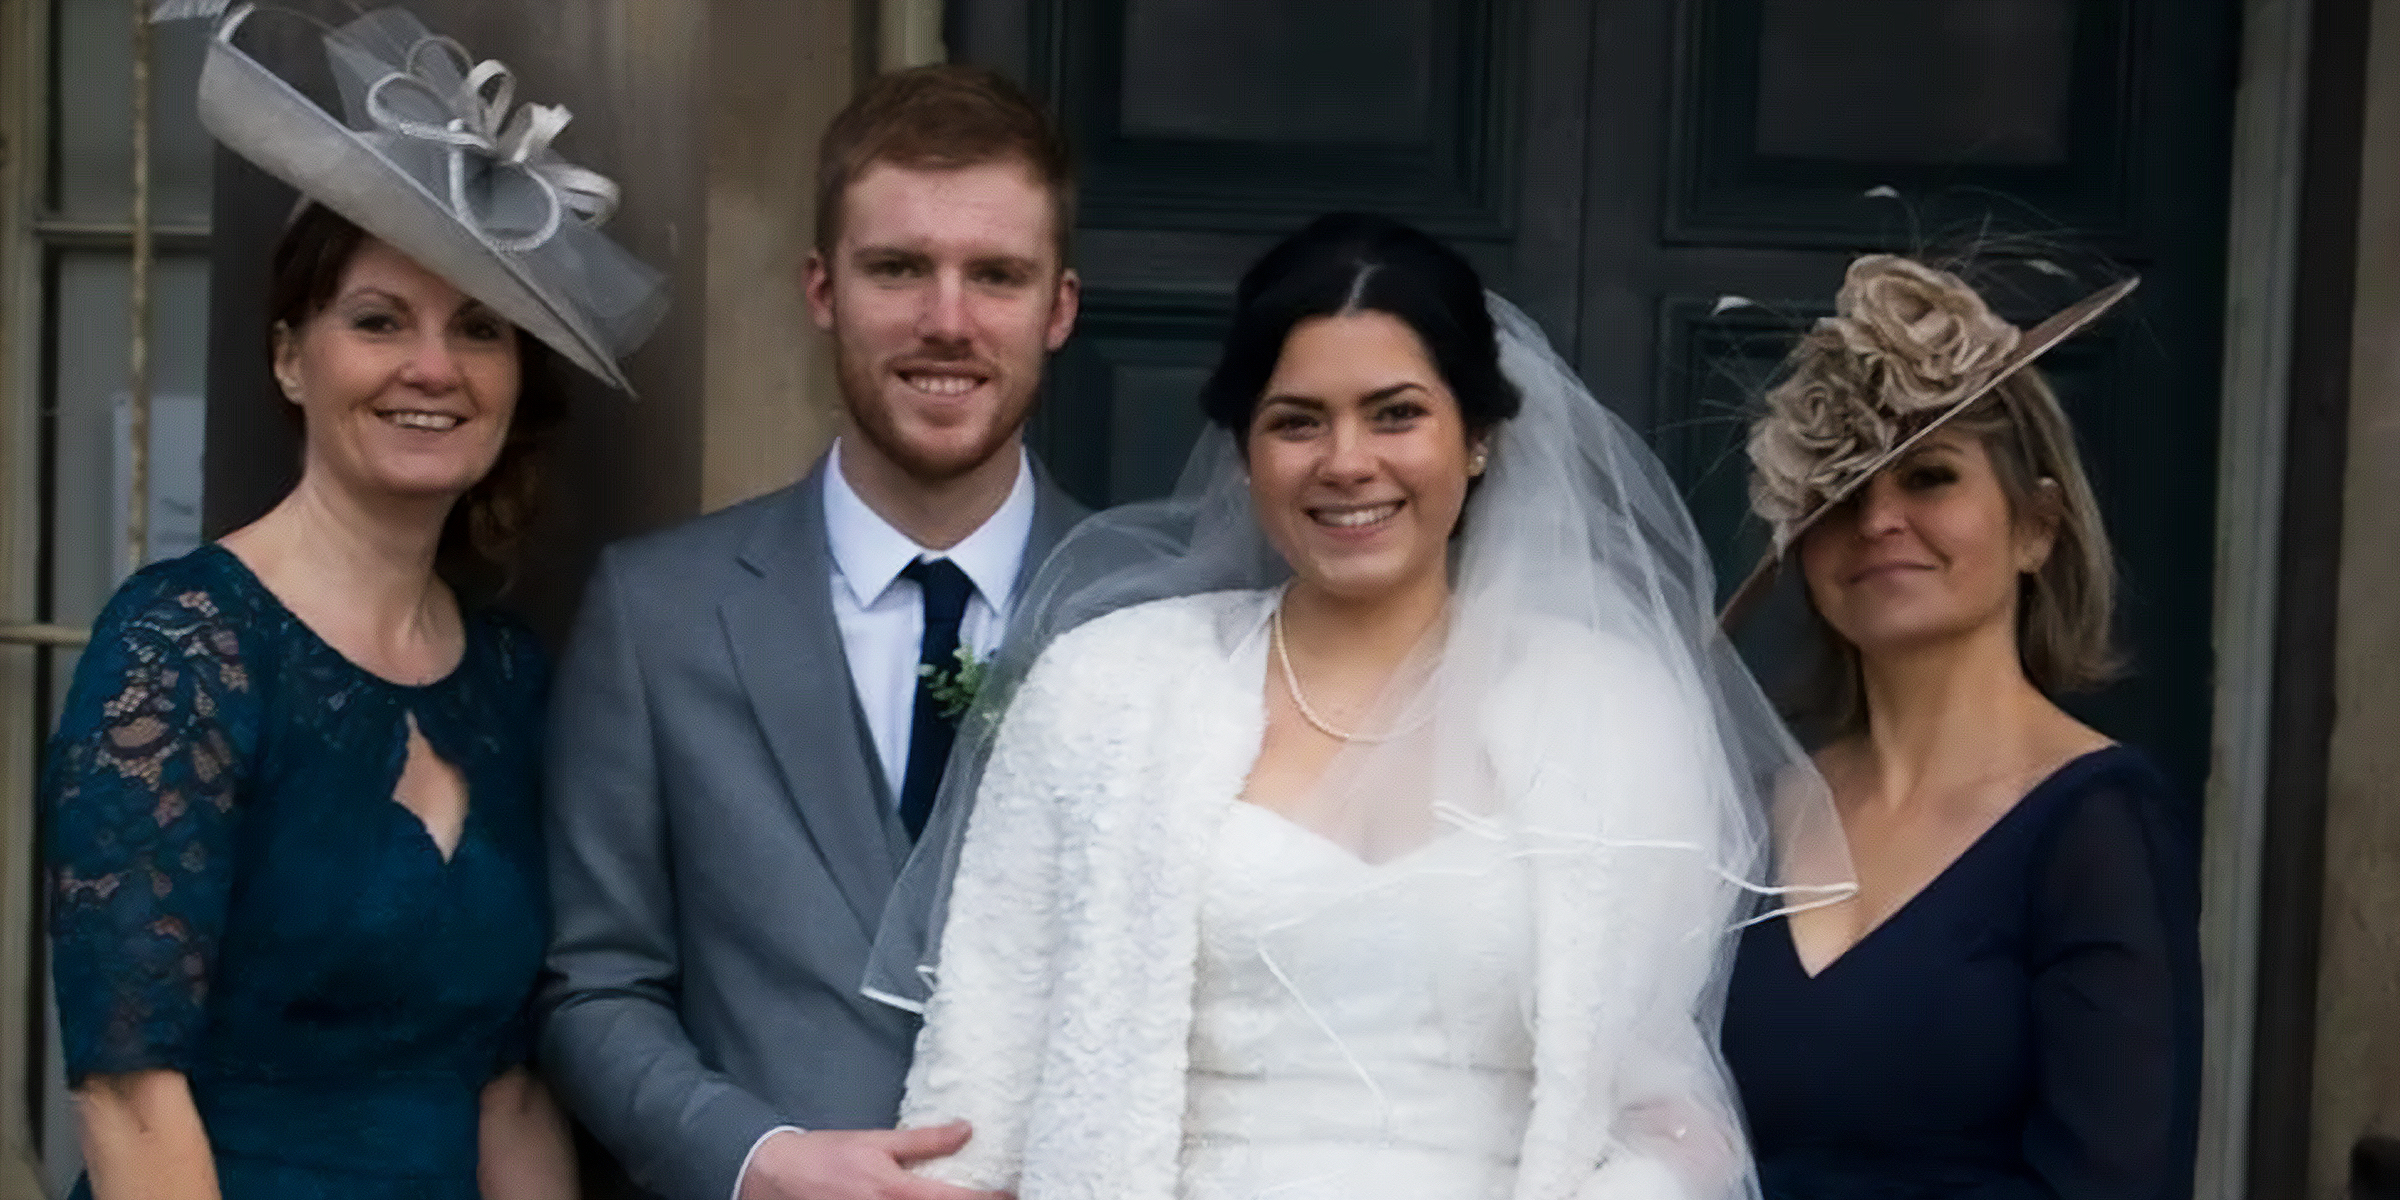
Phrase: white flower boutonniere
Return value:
(955, 688)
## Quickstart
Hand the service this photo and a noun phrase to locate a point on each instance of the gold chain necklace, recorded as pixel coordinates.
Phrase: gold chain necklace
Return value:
(1291, 685)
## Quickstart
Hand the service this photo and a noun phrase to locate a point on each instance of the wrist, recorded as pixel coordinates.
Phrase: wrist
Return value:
(741, 1178)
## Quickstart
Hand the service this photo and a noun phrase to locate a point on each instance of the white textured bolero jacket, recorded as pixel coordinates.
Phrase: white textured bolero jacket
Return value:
(1059, 1023)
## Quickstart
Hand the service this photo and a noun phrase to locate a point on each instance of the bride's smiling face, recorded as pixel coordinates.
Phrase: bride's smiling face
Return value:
(1359, 458)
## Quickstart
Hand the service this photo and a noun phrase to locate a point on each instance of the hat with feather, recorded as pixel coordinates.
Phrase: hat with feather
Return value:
(1908, 349)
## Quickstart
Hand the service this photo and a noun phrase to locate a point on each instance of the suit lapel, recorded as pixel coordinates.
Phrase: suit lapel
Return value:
(1054, 513)
(787, 652)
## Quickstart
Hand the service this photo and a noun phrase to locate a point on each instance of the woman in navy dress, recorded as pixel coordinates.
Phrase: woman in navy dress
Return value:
(296, 887)
(2009, 1006)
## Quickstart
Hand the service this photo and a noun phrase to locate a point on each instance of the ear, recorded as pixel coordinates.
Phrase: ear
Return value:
(2037, 529)
(287, 361)
(1063, 309)
(816, 282)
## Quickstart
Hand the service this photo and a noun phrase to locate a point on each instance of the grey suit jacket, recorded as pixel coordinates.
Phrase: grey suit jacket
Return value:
(721, 843)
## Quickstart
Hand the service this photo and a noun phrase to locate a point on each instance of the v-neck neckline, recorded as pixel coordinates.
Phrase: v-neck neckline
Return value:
(1991, 834)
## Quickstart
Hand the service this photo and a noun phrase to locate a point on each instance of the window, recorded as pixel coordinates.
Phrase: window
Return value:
(66, 280)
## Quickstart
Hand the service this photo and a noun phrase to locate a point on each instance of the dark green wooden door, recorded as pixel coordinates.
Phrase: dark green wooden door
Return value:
(1619, 166)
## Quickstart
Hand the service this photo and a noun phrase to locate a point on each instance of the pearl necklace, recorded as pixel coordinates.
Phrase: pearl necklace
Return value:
(1291, 685)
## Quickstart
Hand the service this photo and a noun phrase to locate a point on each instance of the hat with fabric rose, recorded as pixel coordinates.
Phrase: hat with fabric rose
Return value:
(431, 155)
(1909, 347)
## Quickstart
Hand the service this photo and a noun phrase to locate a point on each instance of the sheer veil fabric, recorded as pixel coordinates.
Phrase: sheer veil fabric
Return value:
(1581, 593)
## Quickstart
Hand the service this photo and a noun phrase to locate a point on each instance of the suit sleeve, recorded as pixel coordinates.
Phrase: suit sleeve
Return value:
(612, 1039)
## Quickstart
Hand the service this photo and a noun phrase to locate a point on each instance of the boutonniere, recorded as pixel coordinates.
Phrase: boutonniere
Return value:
(955, 688)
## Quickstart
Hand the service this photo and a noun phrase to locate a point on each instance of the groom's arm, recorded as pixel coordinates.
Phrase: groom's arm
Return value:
(613, 1040)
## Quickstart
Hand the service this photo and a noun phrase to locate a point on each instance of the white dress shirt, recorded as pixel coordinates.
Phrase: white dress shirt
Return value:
(882, 618)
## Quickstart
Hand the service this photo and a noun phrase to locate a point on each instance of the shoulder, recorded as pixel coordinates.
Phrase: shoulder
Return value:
(1158, 636)
(201, 605)
(1561, 667)
(2115, 794)
(516, 652)
(713, 538)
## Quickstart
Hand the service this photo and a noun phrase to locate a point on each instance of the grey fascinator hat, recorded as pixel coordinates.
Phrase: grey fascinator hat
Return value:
(1908, 349)
(431, 155)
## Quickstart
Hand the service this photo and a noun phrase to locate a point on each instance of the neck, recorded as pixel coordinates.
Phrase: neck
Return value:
(1947, 711)
(1376, 631)
(939, 513)
(334, 555)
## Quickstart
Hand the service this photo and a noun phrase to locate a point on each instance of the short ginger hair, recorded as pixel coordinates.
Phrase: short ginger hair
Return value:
(944, 116)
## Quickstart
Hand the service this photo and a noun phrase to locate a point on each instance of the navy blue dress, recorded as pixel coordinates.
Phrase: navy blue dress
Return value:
(235, 894)
(2027, 1026)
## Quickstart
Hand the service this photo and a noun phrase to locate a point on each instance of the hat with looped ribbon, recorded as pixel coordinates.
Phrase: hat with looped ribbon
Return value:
(433, 157)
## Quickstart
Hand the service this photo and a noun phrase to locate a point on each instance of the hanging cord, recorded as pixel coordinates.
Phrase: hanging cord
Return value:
(137, 461)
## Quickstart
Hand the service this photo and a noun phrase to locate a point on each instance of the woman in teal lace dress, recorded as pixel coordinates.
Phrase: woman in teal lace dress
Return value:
(297, 900)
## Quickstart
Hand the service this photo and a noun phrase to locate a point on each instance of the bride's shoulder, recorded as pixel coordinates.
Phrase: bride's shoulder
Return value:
(1160, 638)
(1546, 653)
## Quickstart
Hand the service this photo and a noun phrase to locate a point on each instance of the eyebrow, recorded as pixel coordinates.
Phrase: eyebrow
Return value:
(1377, 396)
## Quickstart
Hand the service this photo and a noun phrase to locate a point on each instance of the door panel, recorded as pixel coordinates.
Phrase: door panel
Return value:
(1617, 168)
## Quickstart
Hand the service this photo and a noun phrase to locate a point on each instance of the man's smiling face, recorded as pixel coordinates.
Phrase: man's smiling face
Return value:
(943, 295)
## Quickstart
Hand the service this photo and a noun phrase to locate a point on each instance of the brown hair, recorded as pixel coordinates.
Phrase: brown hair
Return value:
(487, 525)
(940, 117)
(2065, 608)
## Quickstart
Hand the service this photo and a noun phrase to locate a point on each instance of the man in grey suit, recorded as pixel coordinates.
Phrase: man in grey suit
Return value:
(743, 746)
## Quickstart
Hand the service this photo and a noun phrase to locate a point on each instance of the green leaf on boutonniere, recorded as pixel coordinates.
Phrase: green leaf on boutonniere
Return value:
(955, 688)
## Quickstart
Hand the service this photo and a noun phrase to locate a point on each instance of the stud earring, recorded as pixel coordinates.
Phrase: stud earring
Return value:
(1477, 461)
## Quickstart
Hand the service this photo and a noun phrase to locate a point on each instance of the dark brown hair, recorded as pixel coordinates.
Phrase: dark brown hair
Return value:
(941, 117)
(2065, 609)
(487, 525)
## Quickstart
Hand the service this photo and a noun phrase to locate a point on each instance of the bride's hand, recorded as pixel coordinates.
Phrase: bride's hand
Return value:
(863, 1164)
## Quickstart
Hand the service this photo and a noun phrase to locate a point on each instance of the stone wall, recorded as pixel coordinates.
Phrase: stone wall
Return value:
(2358, 1013)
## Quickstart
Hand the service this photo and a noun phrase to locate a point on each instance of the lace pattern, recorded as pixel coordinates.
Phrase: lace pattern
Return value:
(142, 790)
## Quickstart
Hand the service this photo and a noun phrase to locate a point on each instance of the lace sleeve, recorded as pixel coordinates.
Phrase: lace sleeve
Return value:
(2115, 1004)
(141, 794)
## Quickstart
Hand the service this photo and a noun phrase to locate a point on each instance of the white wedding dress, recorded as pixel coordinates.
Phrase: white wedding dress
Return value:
(1373, 1047)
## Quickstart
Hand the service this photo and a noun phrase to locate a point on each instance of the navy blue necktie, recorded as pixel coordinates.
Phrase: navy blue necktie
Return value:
(929, 732)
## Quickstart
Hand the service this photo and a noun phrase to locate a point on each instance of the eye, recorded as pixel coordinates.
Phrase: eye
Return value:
(893, 268)
(1288, 422)
(483, 327)
(1399, 413)
(375, 320)
(1001, 275)
(1923, 477)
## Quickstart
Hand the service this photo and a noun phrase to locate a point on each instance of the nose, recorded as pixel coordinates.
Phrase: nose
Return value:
(433, 366)
(1880, 509)
(1348, 458)
(942, 317)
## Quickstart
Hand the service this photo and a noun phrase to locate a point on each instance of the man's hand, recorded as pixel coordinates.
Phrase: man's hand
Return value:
(864, 1164)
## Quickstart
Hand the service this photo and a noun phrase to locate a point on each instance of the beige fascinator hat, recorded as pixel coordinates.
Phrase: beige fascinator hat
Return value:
(1909, 347)
(431, 155)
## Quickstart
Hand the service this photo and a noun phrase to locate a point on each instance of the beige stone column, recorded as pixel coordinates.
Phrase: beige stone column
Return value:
(2358, 1005)
(778, 71)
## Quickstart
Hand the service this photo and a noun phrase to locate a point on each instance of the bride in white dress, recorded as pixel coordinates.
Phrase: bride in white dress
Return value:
(1365, 822)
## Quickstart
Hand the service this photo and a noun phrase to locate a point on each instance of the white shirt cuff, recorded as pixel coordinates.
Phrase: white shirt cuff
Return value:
(744, 1173)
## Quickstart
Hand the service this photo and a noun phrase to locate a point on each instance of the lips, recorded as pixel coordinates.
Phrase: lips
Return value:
(1886, 570)
(421, 419)
(1355, 516)
(942, 383)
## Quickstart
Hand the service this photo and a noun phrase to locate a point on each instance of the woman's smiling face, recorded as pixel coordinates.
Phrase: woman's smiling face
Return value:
(1359, 458)
(408, 384)
(1927, 550)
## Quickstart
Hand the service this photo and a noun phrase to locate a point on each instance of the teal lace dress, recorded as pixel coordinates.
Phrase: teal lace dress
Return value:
(235, 895)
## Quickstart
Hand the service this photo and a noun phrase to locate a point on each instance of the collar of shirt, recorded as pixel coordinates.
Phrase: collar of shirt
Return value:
(870, 553)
